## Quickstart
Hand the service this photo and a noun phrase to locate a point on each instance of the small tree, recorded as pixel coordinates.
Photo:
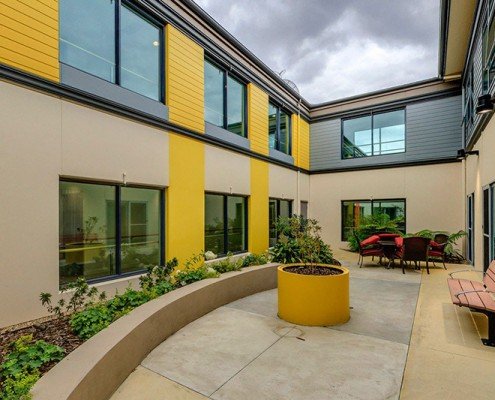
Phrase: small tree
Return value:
(300, 242)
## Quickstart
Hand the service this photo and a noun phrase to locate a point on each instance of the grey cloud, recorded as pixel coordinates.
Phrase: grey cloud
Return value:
(334, 49)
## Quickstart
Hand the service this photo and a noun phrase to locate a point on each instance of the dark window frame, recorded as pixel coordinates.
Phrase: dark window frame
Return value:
(118, 228)
(371, 114)
(225, 93)
(470, 229)
(226, 224)
(371, 201)
(277, 202)
(160, 25)
(280, 109)
(487, 54)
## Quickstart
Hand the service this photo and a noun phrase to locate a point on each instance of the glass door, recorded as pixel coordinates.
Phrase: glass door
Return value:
(488, 236)
(470, 229)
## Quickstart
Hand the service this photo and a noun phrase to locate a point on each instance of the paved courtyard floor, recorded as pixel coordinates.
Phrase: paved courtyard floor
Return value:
(404, 339)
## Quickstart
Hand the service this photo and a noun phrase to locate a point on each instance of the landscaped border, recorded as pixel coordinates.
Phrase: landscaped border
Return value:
(99, 366)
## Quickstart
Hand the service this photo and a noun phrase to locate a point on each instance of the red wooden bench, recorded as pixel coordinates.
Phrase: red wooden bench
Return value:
(477, 296)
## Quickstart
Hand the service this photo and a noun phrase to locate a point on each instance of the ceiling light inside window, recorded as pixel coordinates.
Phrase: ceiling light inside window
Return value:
(156, 43)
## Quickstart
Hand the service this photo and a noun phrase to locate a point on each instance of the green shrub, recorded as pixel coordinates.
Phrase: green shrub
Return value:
(373, 224)
(18, 388)
(21, 367)
(226, 265)
(89, 322)
(300, 242)
(255, 259)
(27, 357)
(191, 274)
(452, 239)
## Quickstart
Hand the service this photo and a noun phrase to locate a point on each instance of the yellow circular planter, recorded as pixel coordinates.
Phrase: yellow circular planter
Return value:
(313, 300)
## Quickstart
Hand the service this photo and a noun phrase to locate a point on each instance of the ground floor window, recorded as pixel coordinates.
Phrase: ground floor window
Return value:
(488, 225)
(277, 208)
(108, 230)
(470, 229)
(225, 223)
(353, 212)
(304, 209)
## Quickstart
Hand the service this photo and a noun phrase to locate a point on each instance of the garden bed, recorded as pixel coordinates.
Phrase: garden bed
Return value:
(30, 350)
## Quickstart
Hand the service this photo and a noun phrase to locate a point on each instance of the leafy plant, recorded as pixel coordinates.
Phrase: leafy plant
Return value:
(89, 322)
(226, 265)
(255, 259)
(28, 356)
(452, 239)
(373, 224)
(156, 275)
(82, 297)
(300, 242)
(21, 367)
(18, 388)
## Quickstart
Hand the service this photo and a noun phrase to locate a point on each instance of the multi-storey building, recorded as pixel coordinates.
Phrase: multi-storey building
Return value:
(137, 131)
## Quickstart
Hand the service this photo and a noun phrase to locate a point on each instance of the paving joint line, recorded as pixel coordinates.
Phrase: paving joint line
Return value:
(254, 359)
(173, 380)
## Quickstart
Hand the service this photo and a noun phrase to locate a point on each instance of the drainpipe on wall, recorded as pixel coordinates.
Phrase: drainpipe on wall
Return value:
(298, 197)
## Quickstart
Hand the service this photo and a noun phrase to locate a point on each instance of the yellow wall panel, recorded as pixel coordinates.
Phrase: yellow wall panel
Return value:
(185, 198)
(303, 144)
(258, 119)
(29, 36)
(300, 141)
(258, 207)
(184, 81)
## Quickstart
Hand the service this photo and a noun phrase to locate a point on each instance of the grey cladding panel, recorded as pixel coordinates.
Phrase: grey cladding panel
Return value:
(433, 131)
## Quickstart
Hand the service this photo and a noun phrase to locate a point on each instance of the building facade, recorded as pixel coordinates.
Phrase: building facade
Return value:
(137, 131)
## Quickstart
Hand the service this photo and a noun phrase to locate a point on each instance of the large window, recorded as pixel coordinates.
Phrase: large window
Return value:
(488, 225)
(488, 53)
(353, 212)
(225, 100)
(279, 134)
(111, 40)
(99, 239)
(225, 224)
(374, 134)
(277, 208)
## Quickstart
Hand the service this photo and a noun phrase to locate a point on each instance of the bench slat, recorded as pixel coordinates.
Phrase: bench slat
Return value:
(473, 300)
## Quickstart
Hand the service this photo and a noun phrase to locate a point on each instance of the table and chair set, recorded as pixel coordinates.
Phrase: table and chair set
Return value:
(407, 250)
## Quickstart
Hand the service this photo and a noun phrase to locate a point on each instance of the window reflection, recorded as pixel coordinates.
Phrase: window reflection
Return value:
(376, 134)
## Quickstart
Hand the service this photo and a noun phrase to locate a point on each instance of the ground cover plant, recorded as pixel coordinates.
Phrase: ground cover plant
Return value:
(26, 353)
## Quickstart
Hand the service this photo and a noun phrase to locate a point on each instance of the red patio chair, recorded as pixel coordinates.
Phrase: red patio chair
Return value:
(414, 249)
(369, 248)
(437, 248)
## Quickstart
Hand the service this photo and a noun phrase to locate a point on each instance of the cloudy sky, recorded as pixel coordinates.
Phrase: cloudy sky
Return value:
(337, 48)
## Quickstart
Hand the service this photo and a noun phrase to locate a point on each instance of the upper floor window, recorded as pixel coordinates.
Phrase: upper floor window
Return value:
(374, 134)
(488, 44)
(279, 127)
(225, 100)
(115, 42)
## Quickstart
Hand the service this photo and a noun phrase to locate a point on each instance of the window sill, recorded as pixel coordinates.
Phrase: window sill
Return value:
(234, 256)
(85, 82)
(226, 136)
(278, 155)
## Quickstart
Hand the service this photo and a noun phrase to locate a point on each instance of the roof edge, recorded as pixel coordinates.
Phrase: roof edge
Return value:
(378, 92)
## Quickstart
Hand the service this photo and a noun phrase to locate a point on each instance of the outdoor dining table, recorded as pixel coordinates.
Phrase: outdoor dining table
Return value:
(389, 249)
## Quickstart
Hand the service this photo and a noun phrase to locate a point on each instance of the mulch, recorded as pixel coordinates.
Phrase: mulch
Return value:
(56, 331)
(313, 270)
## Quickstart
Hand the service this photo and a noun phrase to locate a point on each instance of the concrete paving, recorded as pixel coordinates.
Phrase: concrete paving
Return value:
(244, 351)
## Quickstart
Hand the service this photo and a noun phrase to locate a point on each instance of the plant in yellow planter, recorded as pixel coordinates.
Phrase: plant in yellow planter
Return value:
(313, 289)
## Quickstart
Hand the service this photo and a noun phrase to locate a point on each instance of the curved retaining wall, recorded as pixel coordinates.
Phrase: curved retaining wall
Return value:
(98, 367)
